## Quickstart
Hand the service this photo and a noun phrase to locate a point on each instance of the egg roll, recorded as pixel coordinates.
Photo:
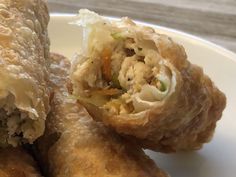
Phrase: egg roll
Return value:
(16, 162)
(140, 83)
(75, 145)
(24, 52)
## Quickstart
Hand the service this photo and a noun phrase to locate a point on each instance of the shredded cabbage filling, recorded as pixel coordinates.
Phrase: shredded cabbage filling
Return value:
(120, 69)
(129, 76)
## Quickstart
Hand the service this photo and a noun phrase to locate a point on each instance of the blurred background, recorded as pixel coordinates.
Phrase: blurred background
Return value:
(214, 20)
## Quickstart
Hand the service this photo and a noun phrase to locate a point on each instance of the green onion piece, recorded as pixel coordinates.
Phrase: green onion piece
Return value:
(163, 87)
(115, 81)
(118, 36)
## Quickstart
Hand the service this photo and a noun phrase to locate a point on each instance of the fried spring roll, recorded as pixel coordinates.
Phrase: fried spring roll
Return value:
(140, 83)
(74, 145)
(24, 52)
(15, 162)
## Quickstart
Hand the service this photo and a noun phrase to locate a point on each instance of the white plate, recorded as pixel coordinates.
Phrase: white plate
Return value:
(217, 158)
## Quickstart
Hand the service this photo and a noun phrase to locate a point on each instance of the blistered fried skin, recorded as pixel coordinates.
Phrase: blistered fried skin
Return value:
(149, 91)
(74, 145)
(15, 162)
(24, 51)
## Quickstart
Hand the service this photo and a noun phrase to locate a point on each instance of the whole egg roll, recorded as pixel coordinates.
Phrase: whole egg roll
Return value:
(16, 162)
(140, 83)
(75, 145)
(24, 52)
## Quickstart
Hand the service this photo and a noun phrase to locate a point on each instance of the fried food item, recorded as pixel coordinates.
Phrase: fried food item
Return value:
(140, 83)
(16, 162)
(75, 145)
(24, 52)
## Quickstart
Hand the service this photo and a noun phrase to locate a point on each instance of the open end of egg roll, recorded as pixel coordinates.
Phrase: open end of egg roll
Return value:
(24, 50)
(19, 121)
(123, 72)
(140, 83)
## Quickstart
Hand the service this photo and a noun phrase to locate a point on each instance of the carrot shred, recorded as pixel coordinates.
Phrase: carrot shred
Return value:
(106, 64)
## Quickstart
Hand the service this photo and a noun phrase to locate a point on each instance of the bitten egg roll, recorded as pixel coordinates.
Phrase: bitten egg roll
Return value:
(75, 145)
(140, 83)
(24, 51)
(16, 162)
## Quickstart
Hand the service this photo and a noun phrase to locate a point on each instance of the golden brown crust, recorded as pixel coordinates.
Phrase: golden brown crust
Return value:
(74, 145)
(24, 51)
(184, 120)
(15, 162)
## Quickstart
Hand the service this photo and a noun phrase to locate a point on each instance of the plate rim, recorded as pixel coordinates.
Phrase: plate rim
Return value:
(208, 44)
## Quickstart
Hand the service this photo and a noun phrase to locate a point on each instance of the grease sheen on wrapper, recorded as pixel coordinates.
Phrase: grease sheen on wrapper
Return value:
(24, 50)
(76, 146)
(140, 83)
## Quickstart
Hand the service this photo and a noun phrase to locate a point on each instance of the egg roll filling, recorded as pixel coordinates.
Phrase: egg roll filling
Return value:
(123, 72)
(15, 125)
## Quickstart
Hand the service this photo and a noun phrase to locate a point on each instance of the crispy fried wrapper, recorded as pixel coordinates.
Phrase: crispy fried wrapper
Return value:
(140, 83)
(75, 145)
(16, 162)
(24, 52)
